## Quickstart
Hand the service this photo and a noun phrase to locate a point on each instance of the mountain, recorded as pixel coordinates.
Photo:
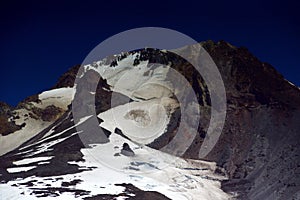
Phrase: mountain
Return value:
(145, 145)
(259, 145)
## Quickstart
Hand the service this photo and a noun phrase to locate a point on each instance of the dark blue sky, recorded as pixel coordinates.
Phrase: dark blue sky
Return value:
(40, 41)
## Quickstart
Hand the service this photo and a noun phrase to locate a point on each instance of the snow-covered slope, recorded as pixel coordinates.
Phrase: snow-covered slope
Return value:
(148, 170)
(52, 161)
(34, 119)
(102, 168)
(142, 122)
(138, 81)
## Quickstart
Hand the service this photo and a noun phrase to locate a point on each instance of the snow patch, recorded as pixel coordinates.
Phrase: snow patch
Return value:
(31, 160)
(61, 97)
(20, 169)
(142, 122)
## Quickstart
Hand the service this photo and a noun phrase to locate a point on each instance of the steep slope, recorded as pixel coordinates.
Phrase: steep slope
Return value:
(31, 116)
(258, 149)
(65, 160)
(259, 146)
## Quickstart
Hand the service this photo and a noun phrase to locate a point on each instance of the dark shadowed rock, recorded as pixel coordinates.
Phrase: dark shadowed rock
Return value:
(68, 78)
(7, 126)
(126, 150)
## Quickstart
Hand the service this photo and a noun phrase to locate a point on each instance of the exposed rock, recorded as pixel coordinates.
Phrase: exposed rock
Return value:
(260, 143)
(7, 126)
(50, 113)
(68, 78)
(127, 151)
(119, 132)
(33, 98)
(5, 109)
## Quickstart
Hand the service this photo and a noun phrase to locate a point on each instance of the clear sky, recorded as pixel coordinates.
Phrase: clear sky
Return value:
(39, 40)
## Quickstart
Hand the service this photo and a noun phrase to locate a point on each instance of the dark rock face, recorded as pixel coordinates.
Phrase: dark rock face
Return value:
(164, 139)
(126, 150)
(68, 78)
(7, 126)
(260, 143)
(50, 113)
